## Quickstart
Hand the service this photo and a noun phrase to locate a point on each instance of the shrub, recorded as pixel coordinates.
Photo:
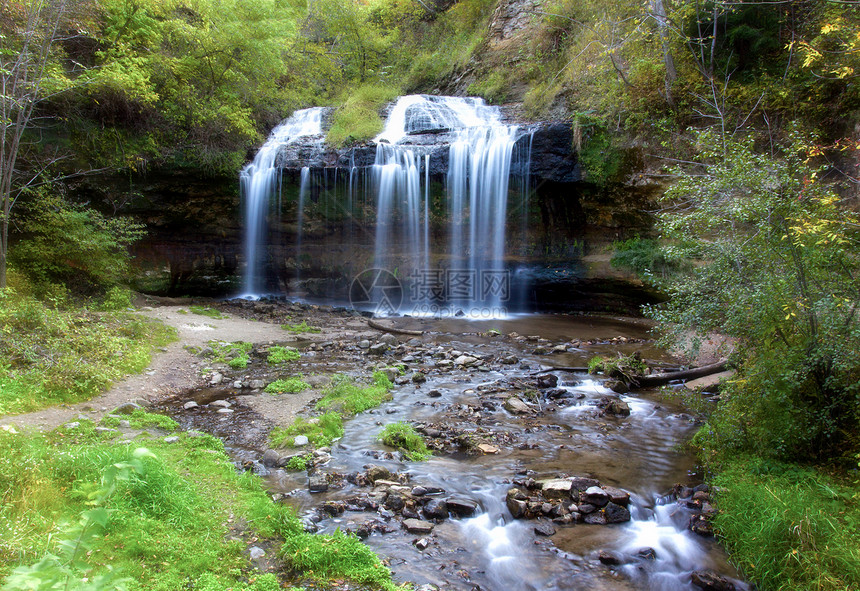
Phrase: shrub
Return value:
(278, 354)
(292, 385)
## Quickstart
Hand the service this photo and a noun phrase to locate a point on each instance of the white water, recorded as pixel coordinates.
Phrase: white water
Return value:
(480, 154)
(259, 182)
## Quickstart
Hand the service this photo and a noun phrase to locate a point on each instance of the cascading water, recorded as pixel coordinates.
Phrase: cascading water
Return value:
(259, 182)
(479, 168)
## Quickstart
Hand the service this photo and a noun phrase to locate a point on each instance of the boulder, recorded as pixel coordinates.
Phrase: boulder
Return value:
(594, 495)
(616, 513)
(617, 496)
(418, 526)
(436, 509)
(375, 472)
(516, 406)
(462, 507)
(559, 488)
(544, 529)
(708, 580)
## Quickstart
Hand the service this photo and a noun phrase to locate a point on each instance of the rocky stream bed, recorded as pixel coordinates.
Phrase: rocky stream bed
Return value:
(541, 478)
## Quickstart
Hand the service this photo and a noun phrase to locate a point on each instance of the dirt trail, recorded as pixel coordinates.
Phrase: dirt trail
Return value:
(173, 369)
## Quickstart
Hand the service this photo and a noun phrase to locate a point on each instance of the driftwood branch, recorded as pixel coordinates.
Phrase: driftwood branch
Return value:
(660, 379)
(413, 333)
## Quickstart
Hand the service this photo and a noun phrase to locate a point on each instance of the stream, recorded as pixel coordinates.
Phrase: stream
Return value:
(566, 433)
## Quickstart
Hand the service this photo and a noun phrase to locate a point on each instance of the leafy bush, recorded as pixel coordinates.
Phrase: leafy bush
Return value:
(404, 437)
(73, 246)
(358, 117)
(775, 268)
(299, 463)
(644, 257)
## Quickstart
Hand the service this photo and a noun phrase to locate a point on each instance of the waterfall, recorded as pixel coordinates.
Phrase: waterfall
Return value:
(453, 266)
(479, 168)
(259, 181)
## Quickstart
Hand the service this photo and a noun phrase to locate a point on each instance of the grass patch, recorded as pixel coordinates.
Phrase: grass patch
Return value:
(789, 527)
(237, 355)
(140, 419)
(50, 355)
(292, 385)
(279, 354)
(208, 312)
(166, 526)
(339, 555)
(299, 463)
(358, 118)
(320, 431)
(404, 437)
(300, 327)
(349, 397)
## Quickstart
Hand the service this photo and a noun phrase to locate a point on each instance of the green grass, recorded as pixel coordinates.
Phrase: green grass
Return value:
(292, 385)
(349, 397)
(358, 119)
(404, 437)
(236, 355)
(343, 398)
(52, 355)
(320, 431)
(300, 328)
(790, 527)
(169, 525)
(140, 419)
(208, 312)
(299, 463)
(279, 354)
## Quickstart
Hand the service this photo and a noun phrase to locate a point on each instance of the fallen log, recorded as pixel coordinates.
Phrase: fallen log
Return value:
(413, 333)
(562, 368)
(661, 379)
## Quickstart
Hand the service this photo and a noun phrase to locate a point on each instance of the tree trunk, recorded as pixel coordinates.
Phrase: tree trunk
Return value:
(661, 379)
(659, 10)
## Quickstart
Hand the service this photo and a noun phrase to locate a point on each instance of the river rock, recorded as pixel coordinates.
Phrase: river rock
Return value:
(617, 496)
(388, 339)
(616, 513)
(364, 344)
(395, 502)
(189, 405)
(615, 406)
(559, 488)
(609, 558)
(436, 509)
(225, 411)
(487, 449)
(466, 360)
(544, 529)
(221, 403)
(594, 495)
(418, 526)
(270, 458)
(256, 552)
(418, 377)
(434, 394)
(699, 524)
(256, 384)
(646, 554)
(462, 507)
(422, 543)
(378, 349)
(375, 472)
(596, 518)
(317, 483)
(547, 381)
(509, 360)
(516, 406)
(301, 440)
(708, 580)
(392, 373)
(216, 379)
(580, 483)
(516, 502)
(126, 409)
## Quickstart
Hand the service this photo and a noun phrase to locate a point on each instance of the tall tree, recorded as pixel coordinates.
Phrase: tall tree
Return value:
(33, 28)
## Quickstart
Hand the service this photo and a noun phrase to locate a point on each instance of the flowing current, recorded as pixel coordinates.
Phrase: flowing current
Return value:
(260, 185)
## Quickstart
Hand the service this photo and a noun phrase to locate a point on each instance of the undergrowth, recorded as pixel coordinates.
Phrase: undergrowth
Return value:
(279, 354)
(300, 327)
(789, 527)
(52, 354)
(168, 524)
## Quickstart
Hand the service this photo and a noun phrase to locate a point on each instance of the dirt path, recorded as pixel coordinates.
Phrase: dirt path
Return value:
(172, 370)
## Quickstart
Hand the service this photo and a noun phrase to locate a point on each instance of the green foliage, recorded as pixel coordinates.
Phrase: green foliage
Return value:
(337, 555)
(233, 354)
(48, 355)
(300, 463)
(72, 246)
(358, 118)
(774, 268)
(601, 160)
(292, 385)
(348, 397)
(279, 354)
(644, 257)
(208, 312)
(116, 299)
(404, 437)
(320, 431)
(140, 419)
(624, 368)
(789, 527)
(300, 327)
